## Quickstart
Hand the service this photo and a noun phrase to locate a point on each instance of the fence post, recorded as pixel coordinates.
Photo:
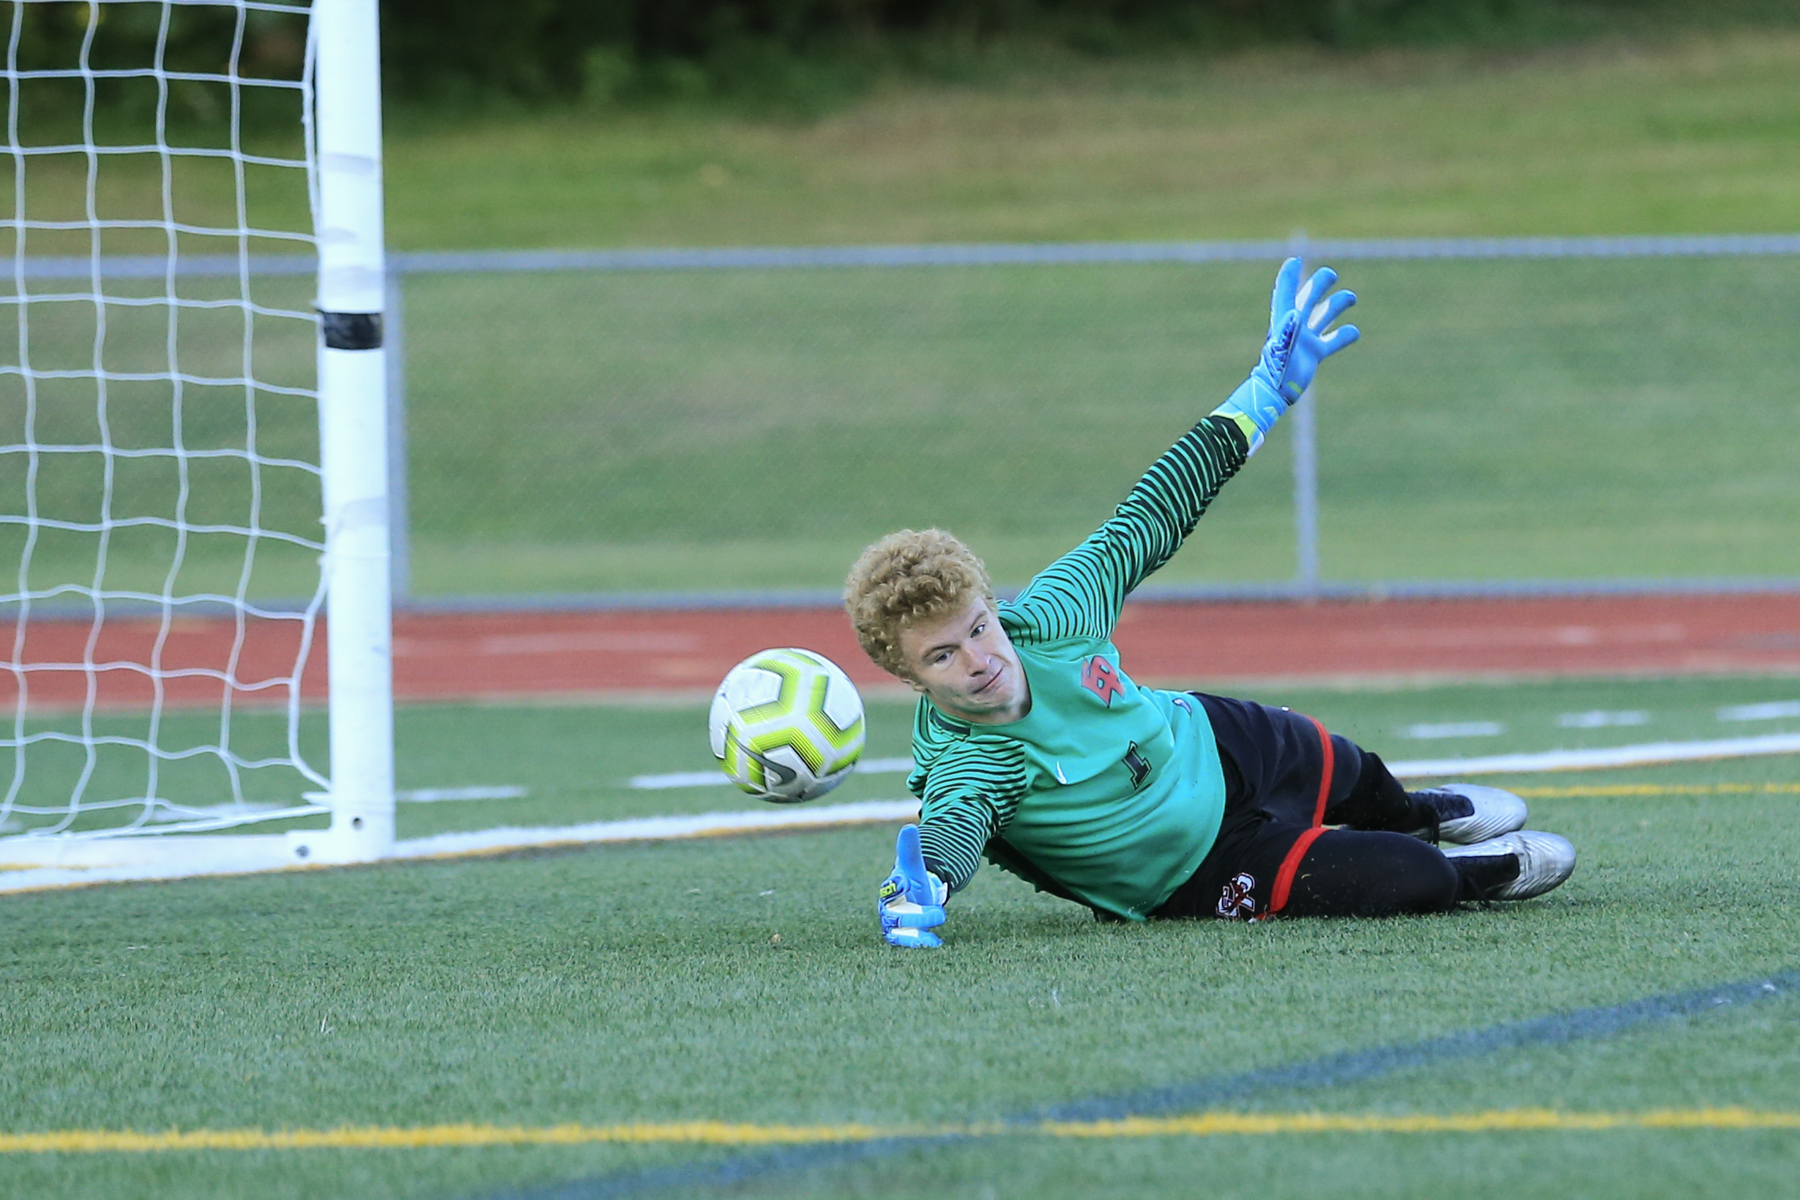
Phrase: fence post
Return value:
(1306, 473)
(1306, 495)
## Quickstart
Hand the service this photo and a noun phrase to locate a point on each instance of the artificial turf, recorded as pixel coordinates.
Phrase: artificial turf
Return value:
(741, 980)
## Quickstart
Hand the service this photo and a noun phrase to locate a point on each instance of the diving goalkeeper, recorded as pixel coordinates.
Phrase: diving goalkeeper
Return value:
(1035, 749)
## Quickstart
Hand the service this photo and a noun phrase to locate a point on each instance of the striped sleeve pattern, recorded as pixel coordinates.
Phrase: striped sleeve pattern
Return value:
(970, 796)
(1081, 593)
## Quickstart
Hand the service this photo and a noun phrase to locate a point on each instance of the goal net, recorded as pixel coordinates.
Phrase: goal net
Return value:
(192, 458)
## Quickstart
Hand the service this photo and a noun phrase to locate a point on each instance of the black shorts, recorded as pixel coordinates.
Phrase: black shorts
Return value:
(1282, 771)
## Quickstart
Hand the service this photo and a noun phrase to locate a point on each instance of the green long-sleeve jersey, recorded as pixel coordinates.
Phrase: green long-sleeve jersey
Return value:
(1106, 792)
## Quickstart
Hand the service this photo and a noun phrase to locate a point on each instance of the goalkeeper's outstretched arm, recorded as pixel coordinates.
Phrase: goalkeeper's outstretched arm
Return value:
(970, 796)
(1080, 594)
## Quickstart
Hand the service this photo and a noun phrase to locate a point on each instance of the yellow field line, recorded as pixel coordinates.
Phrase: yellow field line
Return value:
(722, 1133)
(1657, 789)
(1492, 1121)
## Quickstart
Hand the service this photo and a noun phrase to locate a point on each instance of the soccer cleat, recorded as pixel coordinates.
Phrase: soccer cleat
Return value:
(1545, 861)
(1468, 813)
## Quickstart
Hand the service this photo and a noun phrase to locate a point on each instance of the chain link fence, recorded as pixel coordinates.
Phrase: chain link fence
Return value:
(731, 426)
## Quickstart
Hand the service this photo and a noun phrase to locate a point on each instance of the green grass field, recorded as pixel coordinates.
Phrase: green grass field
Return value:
(722, 431)
(1503, 420)
(1659, 133)
(701, 431)
(740, 980)
(574, 763)
(710, 431)
(631, 432)
(1655, 134)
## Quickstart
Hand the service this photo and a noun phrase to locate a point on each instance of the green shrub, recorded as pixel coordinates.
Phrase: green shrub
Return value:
(609, 49)
(472, 52)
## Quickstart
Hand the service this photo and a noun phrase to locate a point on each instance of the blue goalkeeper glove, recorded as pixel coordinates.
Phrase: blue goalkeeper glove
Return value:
(1300, 338)
(912, 898)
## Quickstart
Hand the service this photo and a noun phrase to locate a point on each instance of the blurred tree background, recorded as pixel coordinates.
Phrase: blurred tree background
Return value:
(808, 56)
(813, 54)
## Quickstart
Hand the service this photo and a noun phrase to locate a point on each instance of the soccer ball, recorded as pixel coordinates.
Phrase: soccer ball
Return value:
(787, 725)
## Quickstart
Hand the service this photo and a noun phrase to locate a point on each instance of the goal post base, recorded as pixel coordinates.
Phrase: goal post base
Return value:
(31, 863)
(244, 855)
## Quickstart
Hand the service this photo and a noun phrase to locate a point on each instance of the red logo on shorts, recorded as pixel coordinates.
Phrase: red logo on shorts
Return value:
(1098, 677)
(1236, 900)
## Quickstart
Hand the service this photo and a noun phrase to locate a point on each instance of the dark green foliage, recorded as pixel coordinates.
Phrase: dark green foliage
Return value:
(792, 50)
(196, 39)
(456, 54)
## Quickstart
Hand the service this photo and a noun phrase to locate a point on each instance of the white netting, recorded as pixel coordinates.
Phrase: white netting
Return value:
(159, 486)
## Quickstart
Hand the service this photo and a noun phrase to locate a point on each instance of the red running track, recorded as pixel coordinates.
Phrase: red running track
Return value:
(525, 655)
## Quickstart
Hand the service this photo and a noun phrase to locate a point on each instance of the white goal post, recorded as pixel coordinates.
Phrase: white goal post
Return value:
(193, 458)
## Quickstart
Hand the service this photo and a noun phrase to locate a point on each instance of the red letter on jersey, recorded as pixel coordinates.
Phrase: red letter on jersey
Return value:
(1098, 677)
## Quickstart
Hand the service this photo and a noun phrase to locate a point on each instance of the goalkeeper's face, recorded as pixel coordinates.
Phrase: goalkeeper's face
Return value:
(967, 665)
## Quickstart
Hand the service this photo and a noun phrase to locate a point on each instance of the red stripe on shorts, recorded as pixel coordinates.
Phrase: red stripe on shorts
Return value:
(1284, 878)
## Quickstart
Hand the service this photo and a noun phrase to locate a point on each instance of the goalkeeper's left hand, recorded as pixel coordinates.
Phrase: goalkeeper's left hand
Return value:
(1300, 338)
(911, 902)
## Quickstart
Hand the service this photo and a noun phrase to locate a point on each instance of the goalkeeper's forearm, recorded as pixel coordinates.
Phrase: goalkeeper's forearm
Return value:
(1176, 491)
(952, 839)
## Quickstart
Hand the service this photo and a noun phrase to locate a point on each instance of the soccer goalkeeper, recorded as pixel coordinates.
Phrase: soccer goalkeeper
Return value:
(1034, 748)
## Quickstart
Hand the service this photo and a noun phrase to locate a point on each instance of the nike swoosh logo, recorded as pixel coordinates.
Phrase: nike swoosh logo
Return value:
(774, 774)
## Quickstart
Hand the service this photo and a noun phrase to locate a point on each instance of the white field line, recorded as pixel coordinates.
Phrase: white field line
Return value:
(643, 829)
(487, 841)
(439, 795)
(1601, 719)
(1454, 729)
(1761, 712)
(874, 811)
(688, 779)
(219, 812)
(1607, 756)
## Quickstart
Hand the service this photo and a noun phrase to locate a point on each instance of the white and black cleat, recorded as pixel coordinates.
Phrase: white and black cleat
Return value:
(1468, 813)
(1546, 861)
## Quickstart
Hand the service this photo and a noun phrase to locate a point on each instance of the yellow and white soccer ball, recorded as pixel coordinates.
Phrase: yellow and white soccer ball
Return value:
(787, 725)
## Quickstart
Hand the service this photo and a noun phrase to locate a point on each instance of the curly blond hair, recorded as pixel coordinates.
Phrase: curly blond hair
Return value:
(907, 576)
